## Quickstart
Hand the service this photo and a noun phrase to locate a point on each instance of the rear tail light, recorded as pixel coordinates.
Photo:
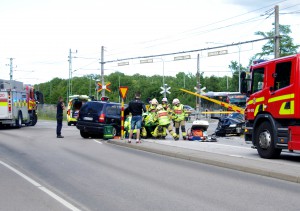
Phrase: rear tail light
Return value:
(102, 118)
(68, 112)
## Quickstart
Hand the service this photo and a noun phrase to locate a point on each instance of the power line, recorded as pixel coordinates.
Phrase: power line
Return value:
(208, 30)
(189, 51)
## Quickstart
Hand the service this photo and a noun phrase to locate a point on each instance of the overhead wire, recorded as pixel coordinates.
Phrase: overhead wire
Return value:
(193, 32)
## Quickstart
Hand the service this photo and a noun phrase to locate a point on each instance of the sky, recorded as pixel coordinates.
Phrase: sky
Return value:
(39, 34)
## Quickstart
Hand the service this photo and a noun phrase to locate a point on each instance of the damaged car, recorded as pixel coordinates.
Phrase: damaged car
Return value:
(234, 123)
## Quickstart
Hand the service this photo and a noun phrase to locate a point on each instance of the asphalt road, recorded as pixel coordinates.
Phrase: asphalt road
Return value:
(40, 172)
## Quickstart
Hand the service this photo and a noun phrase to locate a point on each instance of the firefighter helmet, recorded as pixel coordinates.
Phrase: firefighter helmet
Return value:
(159, 107)
(176, 101)
(164, 100)
(154, 101)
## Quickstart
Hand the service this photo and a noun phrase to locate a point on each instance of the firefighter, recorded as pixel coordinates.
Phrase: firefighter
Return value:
(150, 122)
(153, 104)
(165, 104)
(163, 124)
(178, 116)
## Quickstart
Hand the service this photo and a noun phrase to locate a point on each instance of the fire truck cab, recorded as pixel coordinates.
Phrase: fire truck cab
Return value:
(273, 107)
(17, 104)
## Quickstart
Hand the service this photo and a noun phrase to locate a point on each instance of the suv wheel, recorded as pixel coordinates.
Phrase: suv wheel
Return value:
(84, 134)
(114, 132)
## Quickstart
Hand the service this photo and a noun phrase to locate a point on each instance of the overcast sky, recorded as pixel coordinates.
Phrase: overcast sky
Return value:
(38, 34)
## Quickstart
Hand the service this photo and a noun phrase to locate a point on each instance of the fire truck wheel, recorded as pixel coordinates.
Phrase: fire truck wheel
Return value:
(19, 120)
(34, 120)
(264, 137)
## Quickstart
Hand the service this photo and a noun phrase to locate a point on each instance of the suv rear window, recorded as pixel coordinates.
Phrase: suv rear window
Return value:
(91, 107)
(112, 110)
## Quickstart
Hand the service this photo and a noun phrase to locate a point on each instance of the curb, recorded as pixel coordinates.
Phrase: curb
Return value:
(263, 167)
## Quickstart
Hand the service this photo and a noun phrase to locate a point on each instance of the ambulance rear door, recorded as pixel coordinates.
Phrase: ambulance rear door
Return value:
(3, 105)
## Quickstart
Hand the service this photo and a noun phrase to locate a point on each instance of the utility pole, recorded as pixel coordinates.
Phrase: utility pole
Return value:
(70, 74)
(277, 36)
(198, 99)
(239, 68)
(70, 70)
(102, 71)
(11, 69)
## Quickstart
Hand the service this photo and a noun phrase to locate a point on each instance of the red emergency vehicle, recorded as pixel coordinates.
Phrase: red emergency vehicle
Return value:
(273, 107)
(18, 104)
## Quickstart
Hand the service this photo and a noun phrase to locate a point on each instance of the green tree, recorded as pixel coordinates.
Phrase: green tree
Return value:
(234, 81)
(287, 47)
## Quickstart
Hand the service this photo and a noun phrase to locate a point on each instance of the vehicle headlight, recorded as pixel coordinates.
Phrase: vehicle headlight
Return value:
(232, 125)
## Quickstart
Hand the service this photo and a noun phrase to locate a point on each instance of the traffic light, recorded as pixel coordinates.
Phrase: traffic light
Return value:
(104, 98)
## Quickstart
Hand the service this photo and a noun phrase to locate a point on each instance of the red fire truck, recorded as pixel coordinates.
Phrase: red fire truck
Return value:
(273, 107)
(18, 104)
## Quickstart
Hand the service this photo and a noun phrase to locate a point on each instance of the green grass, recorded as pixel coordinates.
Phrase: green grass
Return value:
(48, 112)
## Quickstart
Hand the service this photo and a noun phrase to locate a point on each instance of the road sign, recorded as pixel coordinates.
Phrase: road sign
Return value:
(165, 89)
(182, 57)
(123, 91)
(107, 87)
(216, 53)
(101, 87)
(146, 61)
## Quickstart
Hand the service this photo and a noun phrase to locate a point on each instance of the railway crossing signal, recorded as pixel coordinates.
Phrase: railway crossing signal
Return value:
(165, 90)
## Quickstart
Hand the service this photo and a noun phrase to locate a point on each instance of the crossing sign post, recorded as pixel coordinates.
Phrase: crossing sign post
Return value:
(123, 92)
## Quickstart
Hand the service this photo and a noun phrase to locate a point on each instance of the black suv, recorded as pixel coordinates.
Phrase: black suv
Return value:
(94, 115)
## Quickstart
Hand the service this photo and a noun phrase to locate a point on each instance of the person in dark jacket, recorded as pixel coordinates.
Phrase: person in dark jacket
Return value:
(59, 116)
(136, 107)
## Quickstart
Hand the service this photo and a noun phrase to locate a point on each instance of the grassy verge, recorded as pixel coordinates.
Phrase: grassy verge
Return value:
(48, 112)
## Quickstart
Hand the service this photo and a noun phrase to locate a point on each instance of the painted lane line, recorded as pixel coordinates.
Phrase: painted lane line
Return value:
(36, 184)
(238, 156)
(98, 142)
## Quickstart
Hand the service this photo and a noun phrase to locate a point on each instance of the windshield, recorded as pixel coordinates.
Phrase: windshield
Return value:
(238, 100)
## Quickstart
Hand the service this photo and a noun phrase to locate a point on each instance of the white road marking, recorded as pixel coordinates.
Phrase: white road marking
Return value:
(238, 156)
(34, 183)
(98, 142)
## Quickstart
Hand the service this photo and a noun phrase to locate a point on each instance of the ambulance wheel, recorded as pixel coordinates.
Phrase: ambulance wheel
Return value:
(265, 142)
(69, 123)
(19, 120)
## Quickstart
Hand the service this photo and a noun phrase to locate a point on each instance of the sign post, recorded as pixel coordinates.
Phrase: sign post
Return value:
(123, 92)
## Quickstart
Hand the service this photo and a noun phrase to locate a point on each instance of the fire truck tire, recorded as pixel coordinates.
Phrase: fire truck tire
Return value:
(19, 120)
(264, 137)
(34, 120)
(84, 134)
